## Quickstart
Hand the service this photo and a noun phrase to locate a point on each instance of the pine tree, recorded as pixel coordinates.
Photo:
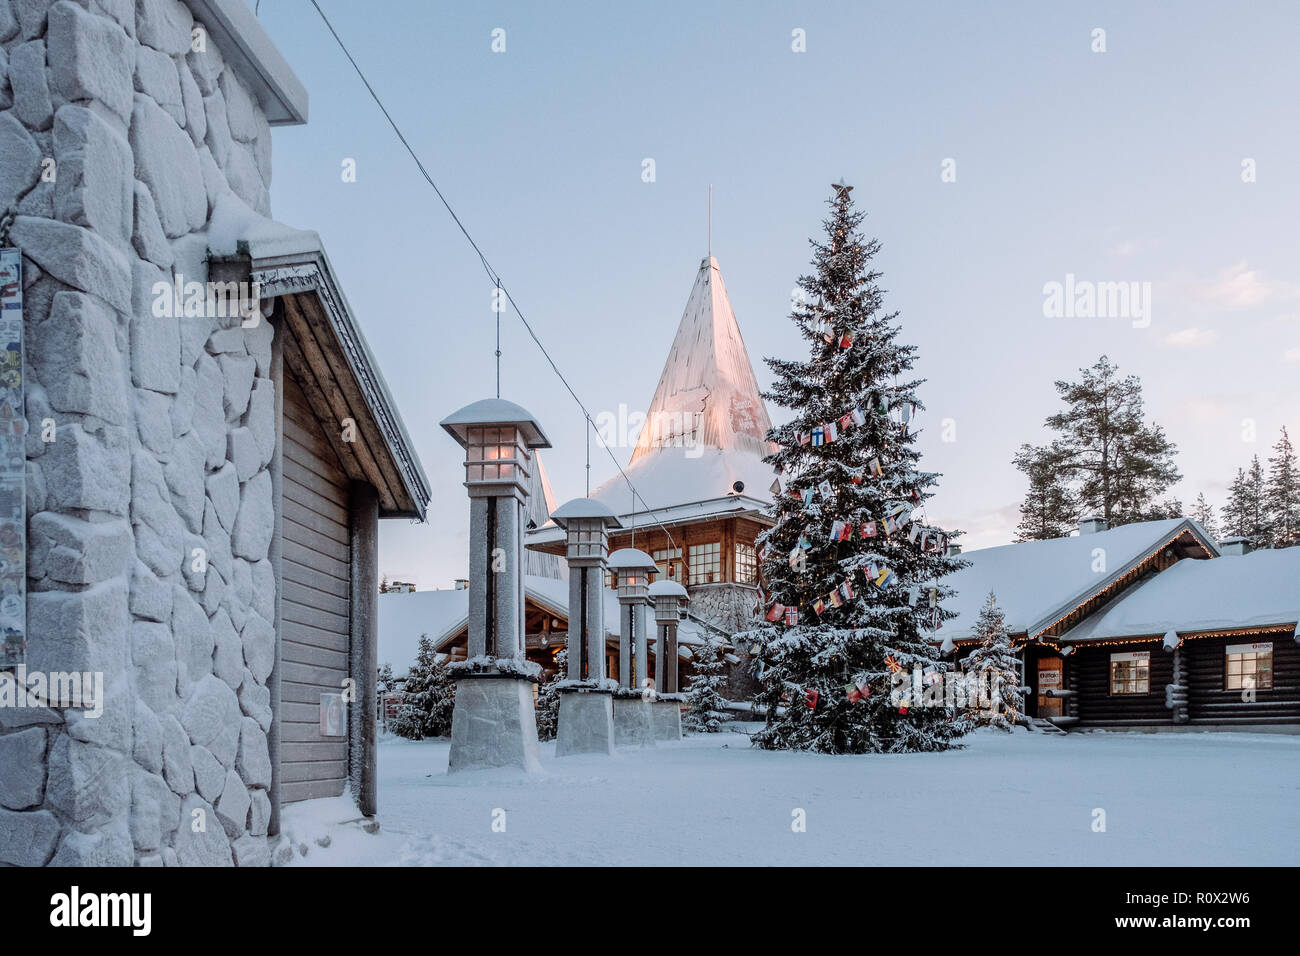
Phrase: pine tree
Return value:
(847, 460)
(1115, 464)
(1049, 509)
(706, 707)
(428, 697)
(548, 698)
(1283, 494)
(1246, 514)
(1203, 515)
(994, 664)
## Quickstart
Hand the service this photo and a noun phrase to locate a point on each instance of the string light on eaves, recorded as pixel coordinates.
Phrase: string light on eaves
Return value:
(492, 274)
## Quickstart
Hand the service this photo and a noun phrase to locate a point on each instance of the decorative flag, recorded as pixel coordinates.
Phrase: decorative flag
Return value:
(804, 438)
(851, 691)
(892, 664)
(914, 534)
(874, 467)
(825, 488)
(835, 599)
(776, 613)
(847, 590)
(804, 543)
(810, 698)
(832, 432)
(913, 595)
(775, 487)
(819, 435)
(890, 526)
(791, 616)
(884, 405)
(859, 416)
(846, 340)
(885, 578)
(819, 606)
(846, 531)
(869, 529)
(836, 527)
(807, 496)
(934, 597)
(796, 557)
(846, 422)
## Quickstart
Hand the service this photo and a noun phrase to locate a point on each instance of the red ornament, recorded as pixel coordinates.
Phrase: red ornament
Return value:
(810, 698)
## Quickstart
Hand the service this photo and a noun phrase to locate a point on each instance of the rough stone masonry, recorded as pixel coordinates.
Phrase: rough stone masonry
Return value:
(164, 429)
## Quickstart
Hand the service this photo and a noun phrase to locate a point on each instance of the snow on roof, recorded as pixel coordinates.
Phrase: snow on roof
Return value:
(675, 476)
(583, 508)
(630, 559)
(491, 411)
(670, 588)
(1233, 591)
(1036, 581)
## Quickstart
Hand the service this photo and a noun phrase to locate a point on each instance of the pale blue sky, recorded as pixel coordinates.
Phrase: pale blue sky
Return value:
(1115, 166)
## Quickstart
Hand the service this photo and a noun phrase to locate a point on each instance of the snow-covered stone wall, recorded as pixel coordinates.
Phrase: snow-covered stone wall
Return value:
(150, 512)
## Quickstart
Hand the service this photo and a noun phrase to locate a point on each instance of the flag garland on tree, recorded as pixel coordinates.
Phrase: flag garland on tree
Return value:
(849, 466)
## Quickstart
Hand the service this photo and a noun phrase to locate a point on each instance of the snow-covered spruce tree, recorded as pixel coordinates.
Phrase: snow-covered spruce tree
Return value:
(706, 707)
(847, 458)
(548, 698)
(1284, 494)
(993, 663)
(1203, 515)
(428, 698)
(1246, 515)
(1049, 509)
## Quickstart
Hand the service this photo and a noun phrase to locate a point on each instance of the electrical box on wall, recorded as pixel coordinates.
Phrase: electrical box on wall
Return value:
(333, 716)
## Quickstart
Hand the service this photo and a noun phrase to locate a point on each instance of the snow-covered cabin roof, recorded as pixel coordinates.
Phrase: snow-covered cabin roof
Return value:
(1231, 592)
(1038, 582)
(291, 265)
(492, 411)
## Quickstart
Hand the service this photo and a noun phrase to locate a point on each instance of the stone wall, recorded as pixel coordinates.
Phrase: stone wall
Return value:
(730, 607)
(164, 429)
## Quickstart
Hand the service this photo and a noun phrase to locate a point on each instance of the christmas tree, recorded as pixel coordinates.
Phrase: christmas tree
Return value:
(993, 665)
(428, 697)
(706, 707)
(851, 569)
(548, 698)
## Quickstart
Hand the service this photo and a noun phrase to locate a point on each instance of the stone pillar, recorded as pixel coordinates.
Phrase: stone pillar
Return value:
(668, 596)
(586, 719)
(633, 720)
(494, 723)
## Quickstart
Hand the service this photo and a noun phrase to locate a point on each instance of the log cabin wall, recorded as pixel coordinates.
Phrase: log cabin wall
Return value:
(1087, 671)
(1205, 667)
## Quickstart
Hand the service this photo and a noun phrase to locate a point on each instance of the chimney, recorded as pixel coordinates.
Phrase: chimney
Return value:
(1091, 524)
(1236, 546)
(954, 548)
(461, 584)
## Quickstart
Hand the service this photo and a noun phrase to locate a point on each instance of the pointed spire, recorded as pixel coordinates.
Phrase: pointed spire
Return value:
(707, 394)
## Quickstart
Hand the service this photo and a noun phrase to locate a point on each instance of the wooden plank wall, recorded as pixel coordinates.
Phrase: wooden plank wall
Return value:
(316, 568)
(1208, 702)
(1088, 672)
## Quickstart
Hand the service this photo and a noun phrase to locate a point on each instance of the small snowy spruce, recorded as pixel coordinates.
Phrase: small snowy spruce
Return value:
(428, 698)
(993, 663)
(706, 707)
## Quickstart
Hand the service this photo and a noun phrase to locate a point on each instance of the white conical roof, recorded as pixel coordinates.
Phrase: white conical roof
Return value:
(705, 427)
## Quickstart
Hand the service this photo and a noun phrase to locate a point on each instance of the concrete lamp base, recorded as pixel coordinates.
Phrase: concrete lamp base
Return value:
(586, 723)
(666, 716)
(494, 725)
(633, 723)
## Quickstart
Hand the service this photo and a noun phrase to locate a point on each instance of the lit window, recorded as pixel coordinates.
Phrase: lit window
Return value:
(746, 564)
(1130, 673)
(670, 563)
(489, 446)
(705, 563)
(1249, 666)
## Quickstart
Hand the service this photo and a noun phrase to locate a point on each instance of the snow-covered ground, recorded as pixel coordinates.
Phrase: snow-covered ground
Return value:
(1006, 800)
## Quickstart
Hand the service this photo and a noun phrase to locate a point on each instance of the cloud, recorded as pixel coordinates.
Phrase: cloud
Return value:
(1238, 287)
(1292, 355)
(1191, 338)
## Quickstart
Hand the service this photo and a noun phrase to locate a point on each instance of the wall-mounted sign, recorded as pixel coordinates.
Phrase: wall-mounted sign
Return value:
(13, 464)
(333, 716)
(1142, 656)
(1265, 647)
(1048, 678)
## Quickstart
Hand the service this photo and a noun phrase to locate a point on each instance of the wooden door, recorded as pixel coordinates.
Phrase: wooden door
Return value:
(316, 626)
(1049, 678)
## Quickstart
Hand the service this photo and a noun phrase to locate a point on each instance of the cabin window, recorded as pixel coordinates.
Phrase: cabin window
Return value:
(746, 564)
(1249, 666)
(1130, 673)
(670, 563)
(705, 563)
